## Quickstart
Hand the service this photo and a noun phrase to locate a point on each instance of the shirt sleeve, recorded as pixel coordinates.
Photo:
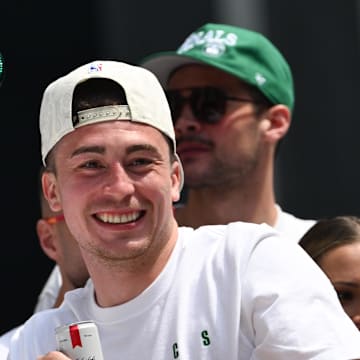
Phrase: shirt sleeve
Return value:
(290, 308)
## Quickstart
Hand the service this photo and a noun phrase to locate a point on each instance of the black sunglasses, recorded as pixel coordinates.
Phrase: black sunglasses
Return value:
(208, 104)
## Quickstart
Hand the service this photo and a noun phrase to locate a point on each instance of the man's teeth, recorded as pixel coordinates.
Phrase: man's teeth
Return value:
(119, 219)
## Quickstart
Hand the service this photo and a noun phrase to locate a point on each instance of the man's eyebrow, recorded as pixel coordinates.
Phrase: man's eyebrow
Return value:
(101, 149)
(88, 149)
(142, 147)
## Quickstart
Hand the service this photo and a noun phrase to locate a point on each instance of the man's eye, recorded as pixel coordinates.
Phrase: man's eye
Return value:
(91, 165)
(141, 161)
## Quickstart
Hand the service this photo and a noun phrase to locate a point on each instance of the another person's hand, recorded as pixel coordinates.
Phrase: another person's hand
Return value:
(53, 355)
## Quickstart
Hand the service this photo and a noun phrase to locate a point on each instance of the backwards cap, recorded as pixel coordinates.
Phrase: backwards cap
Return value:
(146, 100)
(245, 54)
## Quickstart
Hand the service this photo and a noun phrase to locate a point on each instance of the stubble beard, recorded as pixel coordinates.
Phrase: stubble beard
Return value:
(221, 173)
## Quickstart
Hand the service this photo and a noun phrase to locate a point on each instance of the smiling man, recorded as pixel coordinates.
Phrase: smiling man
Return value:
(158, 290)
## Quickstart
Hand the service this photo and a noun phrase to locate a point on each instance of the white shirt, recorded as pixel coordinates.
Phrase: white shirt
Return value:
(50, 291)
(291, 227)
(234, 291)
(46, 300)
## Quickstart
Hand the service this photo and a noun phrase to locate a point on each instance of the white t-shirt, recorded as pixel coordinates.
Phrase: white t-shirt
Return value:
(234, 291)
(46, 300)
(50, 291)
(288, 225)
(5, 342)
(291, 227)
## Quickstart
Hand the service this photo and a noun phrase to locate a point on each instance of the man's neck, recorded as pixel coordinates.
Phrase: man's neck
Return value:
(212, 206)
(119, 282)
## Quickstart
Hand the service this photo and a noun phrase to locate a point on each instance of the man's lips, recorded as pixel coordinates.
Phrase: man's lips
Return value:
(118, 218)
(187, 147)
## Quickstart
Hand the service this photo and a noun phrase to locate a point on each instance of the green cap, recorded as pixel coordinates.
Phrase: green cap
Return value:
(243, 53)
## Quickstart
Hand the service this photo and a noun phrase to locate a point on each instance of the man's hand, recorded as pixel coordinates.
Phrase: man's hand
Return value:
(53, 355)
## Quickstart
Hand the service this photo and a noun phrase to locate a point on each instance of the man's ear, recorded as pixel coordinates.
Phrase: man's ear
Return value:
(45, 233)
(51, 194)
(276, 122)
(176, 177)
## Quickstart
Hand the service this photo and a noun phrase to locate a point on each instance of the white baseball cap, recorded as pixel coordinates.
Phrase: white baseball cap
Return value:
(146, 100)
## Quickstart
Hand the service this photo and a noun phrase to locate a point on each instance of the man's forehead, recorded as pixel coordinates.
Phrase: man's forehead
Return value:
(116, 133)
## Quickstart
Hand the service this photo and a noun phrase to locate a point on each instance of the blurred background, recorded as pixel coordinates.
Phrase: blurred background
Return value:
(317, 167)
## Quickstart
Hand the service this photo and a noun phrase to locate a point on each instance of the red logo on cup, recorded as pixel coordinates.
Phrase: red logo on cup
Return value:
(75, 336)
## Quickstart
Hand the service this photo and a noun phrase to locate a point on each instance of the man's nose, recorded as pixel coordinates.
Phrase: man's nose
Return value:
(186, 121)
(119, 181)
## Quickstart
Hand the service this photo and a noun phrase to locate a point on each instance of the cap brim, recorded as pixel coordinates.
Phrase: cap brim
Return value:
(163, 64)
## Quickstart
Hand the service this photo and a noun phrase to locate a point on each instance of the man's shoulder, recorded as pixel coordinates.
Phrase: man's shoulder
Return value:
(5, 337)
(291, 226)
(5, 340)
(238, 228)
(49, 293)
(236, 238)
